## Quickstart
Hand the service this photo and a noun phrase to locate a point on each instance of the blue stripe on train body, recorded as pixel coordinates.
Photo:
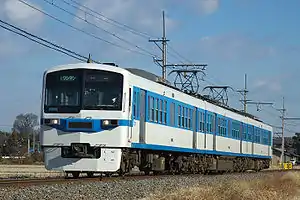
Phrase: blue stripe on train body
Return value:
(252, 134)
(96, 125)
(188, 150)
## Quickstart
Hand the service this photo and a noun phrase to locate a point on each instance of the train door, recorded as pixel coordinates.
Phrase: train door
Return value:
(194, 124)
(214, 125)
(253, 135)
(130, 114)
(241, 136)
(204, 129)
(142, 113)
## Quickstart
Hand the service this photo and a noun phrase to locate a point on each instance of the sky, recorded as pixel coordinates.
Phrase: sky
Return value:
(234, 37)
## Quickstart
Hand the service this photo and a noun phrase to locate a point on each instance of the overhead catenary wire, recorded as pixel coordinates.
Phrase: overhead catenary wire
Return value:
(34, 38)
(100, 28)
(44, 40)
(178, 54)
(89, 11)
(48, 46)
(102, 17)
(81, 30)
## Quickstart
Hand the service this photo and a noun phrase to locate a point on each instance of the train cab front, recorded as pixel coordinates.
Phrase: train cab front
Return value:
(82, 116)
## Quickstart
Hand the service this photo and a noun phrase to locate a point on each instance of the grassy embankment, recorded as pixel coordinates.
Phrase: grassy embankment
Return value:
(273, 187)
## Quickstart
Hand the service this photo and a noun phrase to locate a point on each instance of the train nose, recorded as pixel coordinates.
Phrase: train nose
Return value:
(81, 150)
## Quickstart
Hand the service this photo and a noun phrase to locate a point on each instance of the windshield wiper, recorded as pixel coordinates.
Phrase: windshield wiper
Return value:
(100, 106)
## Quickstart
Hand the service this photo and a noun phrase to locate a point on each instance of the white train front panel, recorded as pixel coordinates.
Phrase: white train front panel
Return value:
(95, 120)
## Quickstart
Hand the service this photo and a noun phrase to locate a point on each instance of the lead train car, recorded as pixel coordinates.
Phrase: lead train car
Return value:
(102, 118)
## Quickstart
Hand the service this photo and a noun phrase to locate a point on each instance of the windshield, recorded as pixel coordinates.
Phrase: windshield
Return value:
(103, 90)
(70, 91)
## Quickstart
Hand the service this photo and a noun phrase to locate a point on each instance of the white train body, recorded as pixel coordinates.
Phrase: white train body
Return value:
(112, 109)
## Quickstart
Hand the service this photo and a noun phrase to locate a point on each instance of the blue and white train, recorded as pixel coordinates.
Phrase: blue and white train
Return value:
(103, 118)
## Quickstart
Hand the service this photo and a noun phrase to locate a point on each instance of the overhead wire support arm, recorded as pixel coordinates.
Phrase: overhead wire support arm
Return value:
(258, 103)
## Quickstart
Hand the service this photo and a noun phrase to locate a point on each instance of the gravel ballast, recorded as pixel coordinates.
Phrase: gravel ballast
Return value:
(121, 189)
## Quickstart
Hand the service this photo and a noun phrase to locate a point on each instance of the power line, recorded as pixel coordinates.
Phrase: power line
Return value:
(178, 54)
(80, 30)
(51, 43)
(45, 45)
(98, 27)
(103, 17)
(118, 24)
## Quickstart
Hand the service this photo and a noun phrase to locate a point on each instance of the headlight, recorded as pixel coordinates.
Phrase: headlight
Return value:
(54, 121)
(108, 122)
(50, 122)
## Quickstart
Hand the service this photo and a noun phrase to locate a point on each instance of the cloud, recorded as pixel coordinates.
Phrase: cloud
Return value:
(17, 13)
(235, 47)
(273, 85)
(208, 6)
(142, 16)
(21, 14)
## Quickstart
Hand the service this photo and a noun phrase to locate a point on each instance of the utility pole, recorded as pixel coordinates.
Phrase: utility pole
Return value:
(182, 70)
(244, 93)
(246, 101)
(163, 49)
(282, 110)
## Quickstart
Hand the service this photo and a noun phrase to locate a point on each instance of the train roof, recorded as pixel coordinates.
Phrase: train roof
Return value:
(152, 77)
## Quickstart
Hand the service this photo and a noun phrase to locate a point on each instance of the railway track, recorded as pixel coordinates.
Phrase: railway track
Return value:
(61, 180)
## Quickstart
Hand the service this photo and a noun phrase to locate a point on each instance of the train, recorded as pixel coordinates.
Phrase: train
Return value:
(102, 118)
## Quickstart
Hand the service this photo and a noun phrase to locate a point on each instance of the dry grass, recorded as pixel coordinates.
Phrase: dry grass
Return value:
(274, 187)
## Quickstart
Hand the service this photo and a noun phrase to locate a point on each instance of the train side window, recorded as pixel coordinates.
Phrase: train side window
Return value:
(201, 121)
(256, 133)
(229, 128)
(250, 133)
(234, 132)
(165, 112)
(189, 118)
(161, 111)
(179, 116)
(213, 123)
(172, 114)
(265, 142)
(207, 122)
(156, 110)
(244, 132)
(152, 109)
(219, 126)
(186, 117)
(225, 127)
(239, 130)
(149, 108)
(182, 116)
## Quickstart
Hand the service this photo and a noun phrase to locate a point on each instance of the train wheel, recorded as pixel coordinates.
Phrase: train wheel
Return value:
(75, 174)
(90, 174)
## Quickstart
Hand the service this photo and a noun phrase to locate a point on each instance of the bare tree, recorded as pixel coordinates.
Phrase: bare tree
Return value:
(24, 124)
